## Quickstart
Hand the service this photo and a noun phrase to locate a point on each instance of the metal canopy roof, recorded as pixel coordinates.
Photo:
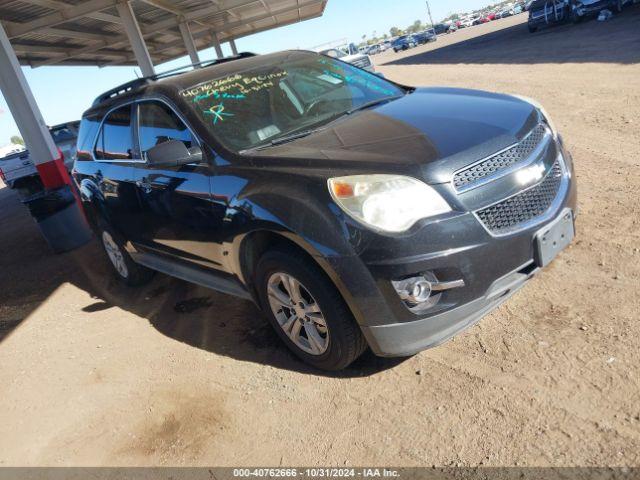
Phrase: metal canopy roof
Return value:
(89, 32)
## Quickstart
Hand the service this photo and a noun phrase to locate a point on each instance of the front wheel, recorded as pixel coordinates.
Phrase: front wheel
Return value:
(307, 311)
(532, 29)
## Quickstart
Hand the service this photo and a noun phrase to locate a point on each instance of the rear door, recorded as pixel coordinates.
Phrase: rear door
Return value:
(178, 218)
(115, 154)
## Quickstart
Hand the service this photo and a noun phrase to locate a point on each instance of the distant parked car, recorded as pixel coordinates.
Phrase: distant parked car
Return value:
(373, 50)
(467, 22)
(543, 13)
(585, 8)
(405, 42)
(426, 36)
(350, 54)
(441, 28)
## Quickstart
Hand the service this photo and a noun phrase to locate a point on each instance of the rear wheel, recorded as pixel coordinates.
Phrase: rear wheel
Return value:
(532, 29)
(307, 311)
(125, 268)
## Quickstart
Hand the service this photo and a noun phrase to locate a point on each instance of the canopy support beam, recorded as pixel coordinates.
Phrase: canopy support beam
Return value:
(216, 45)
(24, 109)
(187, 38)
(134, 34)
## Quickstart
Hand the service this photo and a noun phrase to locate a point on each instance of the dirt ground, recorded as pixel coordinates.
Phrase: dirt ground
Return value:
(172, 374)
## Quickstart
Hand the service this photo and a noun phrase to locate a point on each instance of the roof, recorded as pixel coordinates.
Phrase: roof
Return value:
(89, 32)
(179, 80)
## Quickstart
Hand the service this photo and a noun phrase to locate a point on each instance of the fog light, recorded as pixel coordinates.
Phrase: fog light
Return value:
(422, 292)
(416, 292)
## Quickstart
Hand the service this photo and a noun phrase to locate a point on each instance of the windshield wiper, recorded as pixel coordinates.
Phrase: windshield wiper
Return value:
(373, 103)
(291, 137)
(283, 139)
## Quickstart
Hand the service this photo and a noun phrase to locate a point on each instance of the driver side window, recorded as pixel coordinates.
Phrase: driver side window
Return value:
(157, 123)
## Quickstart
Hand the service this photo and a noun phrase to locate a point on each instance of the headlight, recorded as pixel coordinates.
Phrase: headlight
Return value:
(391, 203)
(544, 112)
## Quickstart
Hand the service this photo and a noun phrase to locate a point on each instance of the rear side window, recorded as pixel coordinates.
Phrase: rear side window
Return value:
(115, 141)
(158, 124)
(86, 136)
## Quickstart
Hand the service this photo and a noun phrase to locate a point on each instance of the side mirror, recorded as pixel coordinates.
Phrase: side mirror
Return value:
(173, 153)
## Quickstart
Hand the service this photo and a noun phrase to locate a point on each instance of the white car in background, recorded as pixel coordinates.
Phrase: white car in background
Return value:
(350, 54)
(466, 22)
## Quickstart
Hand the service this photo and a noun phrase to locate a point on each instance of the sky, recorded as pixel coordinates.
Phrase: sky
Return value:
(64, 93)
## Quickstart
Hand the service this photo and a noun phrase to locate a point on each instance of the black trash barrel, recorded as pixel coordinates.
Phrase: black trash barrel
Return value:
(60, 219)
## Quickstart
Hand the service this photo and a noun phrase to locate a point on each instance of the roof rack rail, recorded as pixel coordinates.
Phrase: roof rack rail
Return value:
(138, 82)
(203, 64)
(121, 89)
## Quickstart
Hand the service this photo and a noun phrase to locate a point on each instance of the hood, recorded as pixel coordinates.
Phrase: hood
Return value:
(440, 129)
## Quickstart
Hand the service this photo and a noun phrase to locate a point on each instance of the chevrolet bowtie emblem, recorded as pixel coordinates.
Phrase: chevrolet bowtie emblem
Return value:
(530, 174)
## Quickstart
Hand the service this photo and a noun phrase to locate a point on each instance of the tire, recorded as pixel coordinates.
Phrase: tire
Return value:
(125, 269)
(618, 7)
(532, 29)
(337, 339)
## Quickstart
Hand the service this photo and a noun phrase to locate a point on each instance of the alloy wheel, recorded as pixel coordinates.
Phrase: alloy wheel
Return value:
(298, 313)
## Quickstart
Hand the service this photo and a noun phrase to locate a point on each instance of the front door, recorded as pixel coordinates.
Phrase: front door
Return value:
(177, 213)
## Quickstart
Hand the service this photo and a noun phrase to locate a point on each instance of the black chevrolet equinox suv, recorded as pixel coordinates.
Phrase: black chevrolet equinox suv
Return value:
(356, 212)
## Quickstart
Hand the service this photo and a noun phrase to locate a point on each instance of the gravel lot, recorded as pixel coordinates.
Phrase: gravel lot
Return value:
(172, 374)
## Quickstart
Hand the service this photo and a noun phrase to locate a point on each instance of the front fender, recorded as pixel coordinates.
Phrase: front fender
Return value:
(300, 212)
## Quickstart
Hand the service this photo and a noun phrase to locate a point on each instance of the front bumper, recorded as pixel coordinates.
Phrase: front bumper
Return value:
(403, 339)
(593, 8)
(492, 267)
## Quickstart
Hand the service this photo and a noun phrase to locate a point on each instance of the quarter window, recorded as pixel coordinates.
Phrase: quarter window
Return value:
(158, 124)
(115, 141)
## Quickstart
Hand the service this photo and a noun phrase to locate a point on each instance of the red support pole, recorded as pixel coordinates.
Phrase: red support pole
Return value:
(54, 174)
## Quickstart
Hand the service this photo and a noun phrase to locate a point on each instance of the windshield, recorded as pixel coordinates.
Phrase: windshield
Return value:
(63, 133)
(302, 92)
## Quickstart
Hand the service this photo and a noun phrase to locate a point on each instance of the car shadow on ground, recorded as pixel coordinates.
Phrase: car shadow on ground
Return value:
(566, 43)
(187, 313)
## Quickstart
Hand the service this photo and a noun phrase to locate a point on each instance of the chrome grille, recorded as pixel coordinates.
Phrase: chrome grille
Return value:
(509, 214)
(467, 177)
(362, 62)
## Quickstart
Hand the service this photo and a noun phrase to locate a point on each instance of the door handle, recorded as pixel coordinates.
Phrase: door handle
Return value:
(144, 185)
